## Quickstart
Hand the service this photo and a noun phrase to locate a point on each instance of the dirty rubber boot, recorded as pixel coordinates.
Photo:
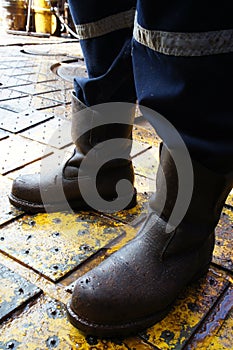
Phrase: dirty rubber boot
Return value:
(61, 188)
(136, 286)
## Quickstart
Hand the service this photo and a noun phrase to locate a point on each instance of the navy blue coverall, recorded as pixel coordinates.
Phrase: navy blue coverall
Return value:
(174, 57)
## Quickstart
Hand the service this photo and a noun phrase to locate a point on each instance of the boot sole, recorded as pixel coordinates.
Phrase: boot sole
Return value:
(114, 330)
(30, 207)
(123, 329)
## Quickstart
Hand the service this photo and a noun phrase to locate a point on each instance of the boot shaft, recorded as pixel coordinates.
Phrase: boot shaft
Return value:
(92, 126)
(209, 191)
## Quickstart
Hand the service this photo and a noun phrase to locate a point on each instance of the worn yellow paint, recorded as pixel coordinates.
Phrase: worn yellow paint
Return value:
(109, 249)
(7, 290)
(97, 259)
(145, 187)
(135, 343)
(224, 238)
(188, 312)
(14, 291)
(223, 339)
(210, 333)
(135, 215)
(143, 139)
(70, 279)
(54, 244)
(147, 135)
(55, 291)
(44, 326)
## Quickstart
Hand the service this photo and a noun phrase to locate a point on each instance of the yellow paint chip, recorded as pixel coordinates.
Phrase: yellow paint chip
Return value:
(14, 291)
(188, 312)
(224, 238)
(54, 244)
(44, 325)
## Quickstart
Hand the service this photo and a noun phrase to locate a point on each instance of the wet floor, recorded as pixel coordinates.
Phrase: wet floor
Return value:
(42, 255)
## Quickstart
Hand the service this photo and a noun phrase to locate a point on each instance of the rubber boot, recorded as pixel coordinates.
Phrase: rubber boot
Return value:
(70, 187)
(136, 286)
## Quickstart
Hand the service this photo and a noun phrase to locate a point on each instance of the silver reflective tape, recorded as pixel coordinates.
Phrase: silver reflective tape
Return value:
(106, 25)
(185, 44)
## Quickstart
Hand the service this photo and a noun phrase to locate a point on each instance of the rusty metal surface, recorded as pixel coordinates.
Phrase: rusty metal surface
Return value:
(28, 102)
(140, 136)
(174, 331)
(55, 244)
(59, 83)
(35, 89)
(25, 66)
(17, 151)
(146, 164)
(16, 64)
(216, 331)
(36, 77)
(16, 122)
(60, 96)
(15, 105)
(56, 158)
(8, 212)
(8, 81)
(62, 111)
(148, 135)
(20, 69)
(40, 102)
(51, 289)
(44, 326)
(223, 338)
(145, 185)
(133, 216)
(138, 147)
(14, 292)
(137, 344)
(224, 237)
(56, 132)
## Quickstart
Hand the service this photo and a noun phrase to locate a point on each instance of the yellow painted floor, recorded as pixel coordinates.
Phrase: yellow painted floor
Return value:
(42, 255)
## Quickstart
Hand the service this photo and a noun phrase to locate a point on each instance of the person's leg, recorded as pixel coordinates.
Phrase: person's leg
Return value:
(188, 47)
(105, 30)
(182, 70)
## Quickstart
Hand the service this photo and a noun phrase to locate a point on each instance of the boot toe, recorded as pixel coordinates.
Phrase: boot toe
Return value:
(95, 306)
(107, 301)
(25, 192)
(89, 302)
